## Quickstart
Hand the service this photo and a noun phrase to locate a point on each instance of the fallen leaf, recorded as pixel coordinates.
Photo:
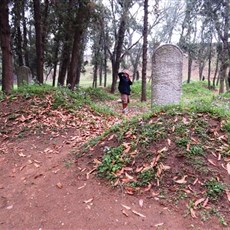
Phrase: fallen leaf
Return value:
(36, 165)
(198, 202)
(59, 185)
(219, 157)
(88, 201)
(182, 181)
(228, 167)
(127, 147)
(141, 202)
(123, 212)
(88, 173)
(228, 195)
(188, 147)
(185, 121)
(128, 176)
(126, 207)
(205, 202)
(21, 168)
(148, 188)
(163, 150)
(193, 213)
(81, 187)
(157, 225)
(138, 214)
(195, 181)
(96, 161)
(211, 162)
(139, 169)
(169, 142)
(129, 190)
(111, 137)
(155, 194)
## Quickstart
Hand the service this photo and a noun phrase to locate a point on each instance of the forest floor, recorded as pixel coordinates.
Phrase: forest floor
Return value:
(43, 185)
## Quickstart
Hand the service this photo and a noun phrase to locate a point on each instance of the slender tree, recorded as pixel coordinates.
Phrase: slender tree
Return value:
(7, 63)
(82, 20)
(39, 40)
(145, 49)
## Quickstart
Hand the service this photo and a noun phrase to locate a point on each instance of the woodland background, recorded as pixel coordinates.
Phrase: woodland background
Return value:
(60, 38)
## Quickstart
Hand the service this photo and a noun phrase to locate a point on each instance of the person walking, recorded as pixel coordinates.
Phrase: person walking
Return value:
(124, 89)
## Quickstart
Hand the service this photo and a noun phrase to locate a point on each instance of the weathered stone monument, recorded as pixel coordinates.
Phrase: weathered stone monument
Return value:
(167, 75)
(24, 75)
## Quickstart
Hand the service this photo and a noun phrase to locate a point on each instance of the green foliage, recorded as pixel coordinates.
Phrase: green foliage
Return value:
(182, 141)
(98, 94)
(112, 161)
(214, 189)
(195, 90)
(136, 89)
(34, 90)
(196, 150)
(145, 177)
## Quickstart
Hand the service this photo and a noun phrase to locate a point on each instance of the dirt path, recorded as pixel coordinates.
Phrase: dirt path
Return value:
(42, 188)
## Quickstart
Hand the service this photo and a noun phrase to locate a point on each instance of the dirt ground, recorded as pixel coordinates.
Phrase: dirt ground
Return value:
(42, 187)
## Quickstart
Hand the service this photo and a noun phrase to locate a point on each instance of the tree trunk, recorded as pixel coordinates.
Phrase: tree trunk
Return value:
(25, 39)
(82, 19)
(105, 66)
(18, 34)
(145, 49)
(66, 48)
(201, 69)
(7, 63)
(116, 56)
(209, 64)
(189, 67)
(214, 83)
(39, 42)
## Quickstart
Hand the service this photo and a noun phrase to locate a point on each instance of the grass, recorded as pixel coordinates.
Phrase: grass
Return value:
(215, 189)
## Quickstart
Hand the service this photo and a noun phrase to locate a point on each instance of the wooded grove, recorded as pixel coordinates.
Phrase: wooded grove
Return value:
(52, 38)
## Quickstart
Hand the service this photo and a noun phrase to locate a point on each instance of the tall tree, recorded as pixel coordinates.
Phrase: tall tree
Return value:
(41, 23)
(7, 63)
(67, 30)
(218, 12)
(82, 19)
(116, 54)
(39, 45)
(145, 49)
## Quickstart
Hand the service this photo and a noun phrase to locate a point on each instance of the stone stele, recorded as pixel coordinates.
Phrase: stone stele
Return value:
(167, 75)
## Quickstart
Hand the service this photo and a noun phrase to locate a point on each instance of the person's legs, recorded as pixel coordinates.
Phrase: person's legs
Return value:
(124, 98)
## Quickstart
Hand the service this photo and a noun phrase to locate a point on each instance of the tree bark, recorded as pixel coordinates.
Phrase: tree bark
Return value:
(7, 63)
(189, 67)
(25, 39)
(18, 33)
(145, 49)
(82, 19)
(39, 41)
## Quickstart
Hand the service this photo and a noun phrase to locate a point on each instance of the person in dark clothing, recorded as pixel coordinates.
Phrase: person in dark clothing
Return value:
(124, 89)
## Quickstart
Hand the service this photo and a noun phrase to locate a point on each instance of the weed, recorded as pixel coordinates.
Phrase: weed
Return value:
(181, 195)
(196, 150)
(180, 129)
(214, 189)
(221, 218)
(68, 163)
(145, 177)
(112, 161)
(182, 141)
(198, 164)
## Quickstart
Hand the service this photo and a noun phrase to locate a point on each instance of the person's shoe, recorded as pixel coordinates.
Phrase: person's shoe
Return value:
(125, 111)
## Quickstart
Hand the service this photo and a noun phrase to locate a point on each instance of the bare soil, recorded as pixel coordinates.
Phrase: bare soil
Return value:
(43, 185)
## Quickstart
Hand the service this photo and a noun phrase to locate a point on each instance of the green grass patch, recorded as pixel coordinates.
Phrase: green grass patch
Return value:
(215, 189)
